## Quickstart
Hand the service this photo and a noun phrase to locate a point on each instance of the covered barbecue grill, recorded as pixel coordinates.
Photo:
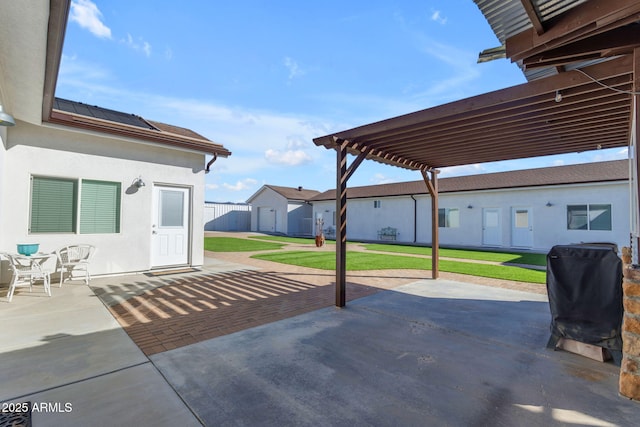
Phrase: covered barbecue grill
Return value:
(584, 284)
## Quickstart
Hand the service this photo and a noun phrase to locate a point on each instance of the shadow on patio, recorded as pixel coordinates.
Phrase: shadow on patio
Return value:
(161, 314)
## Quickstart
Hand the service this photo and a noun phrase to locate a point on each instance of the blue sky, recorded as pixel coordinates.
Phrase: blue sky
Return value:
(265, 78)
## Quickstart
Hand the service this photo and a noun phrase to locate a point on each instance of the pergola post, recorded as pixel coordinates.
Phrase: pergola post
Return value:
(341, 224)
(432, 186)
(342, 176)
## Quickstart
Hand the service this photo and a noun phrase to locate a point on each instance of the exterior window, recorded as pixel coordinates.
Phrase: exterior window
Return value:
(376, 204)
(54, 206)
(448, 218)
(100, 207)
(589, 217)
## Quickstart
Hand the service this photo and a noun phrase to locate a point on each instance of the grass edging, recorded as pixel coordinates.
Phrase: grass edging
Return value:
(359, 261)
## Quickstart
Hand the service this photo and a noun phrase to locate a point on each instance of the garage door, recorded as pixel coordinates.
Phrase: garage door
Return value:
(267, 219)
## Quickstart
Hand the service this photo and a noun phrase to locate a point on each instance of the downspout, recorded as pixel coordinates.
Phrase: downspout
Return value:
(208, 168)
(415, 219)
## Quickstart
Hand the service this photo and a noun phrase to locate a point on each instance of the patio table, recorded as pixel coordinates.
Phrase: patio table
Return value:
(31, 268)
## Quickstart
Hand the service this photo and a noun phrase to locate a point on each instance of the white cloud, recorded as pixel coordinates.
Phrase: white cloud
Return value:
(379, 178)
(461, 170)
(611, 154)
(288, 157)
(242, 185)
(437, 17)
(72, 68)
(86, 14)
(462, 65)
(211, 186)
(294, 69)
(138, 45)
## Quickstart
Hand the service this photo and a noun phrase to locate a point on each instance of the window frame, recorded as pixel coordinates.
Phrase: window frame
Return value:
(587, 218)
(445, 213)
(77, 226)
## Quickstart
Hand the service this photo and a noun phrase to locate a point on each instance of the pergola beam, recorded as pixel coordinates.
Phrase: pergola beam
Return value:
(480, 107)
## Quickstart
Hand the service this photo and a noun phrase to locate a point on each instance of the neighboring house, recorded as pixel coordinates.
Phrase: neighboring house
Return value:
(227, 216)
(282, 210)
(73, 173)
(531, 209)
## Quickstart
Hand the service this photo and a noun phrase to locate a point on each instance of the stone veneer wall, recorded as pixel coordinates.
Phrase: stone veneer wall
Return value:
(630, 368)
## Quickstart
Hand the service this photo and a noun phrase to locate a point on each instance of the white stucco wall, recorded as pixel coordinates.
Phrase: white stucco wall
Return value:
(299, 220)
(3, 138)
(269, 199)
(549, 223)
(59, 152)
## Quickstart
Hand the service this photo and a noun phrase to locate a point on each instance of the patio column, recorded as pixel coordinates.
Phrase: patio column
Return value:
(629, 385)
(342, 176)
(630, 366)
(341, 224)
(432, 186)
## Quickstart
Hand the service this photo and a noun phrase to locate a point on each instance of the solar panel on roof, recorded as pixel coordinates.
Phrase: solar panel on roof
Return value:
(100, 113)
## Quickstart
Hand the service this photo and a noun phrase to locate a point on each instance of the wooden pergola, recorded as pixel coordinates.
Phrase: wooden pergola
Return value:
(588, 104)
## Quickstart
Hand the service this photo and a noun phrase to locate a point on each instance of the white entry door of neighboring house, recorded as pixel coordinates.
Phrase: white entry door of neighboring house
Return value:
(170, 226)
(491, 227)
(521, 228)
(266, 219)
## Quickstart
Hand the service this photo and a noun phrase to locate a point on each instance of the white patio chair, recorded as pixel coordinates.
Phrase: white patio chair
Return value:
(26, 271)
(75, 258)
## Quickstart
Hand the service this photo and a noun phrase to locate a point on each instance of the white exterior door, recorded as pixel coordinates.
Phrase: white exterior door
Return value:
(170, 226)
(491, 226)
(267, 219)
(521, 228)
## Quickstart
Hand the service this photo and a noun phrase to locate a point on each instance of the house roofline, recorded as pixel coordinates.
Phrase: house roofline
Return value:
(118, 129)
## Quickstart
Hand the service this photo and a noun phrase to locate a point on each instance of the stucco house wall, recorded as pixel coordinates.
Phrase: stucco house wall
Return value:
(273, 207)
(548, 223)
(299, 218)
(273, 212)
(62, 152)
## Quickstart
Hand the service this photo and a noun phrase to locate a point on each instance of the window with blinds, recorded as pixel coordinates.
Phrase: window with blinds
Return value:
(54, 206)
(99, 207)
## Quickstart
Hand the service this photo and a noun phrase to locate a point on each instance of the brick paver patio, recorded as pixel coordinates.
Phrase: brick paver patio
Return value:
(167, 312)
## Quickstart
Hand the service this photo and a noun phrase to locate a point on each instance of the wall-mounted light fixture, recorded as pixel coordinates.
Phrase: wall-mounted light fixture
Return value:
(138, 182)
(469, 206)
(549, 204)
(558, 97)
(6, 119)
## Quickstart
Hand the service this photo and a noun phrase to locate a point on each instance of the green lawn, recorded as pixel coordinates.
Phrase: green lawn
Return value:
(358, 261)
(370, 261)
(512, 257)
(300, 240)
(233, 244)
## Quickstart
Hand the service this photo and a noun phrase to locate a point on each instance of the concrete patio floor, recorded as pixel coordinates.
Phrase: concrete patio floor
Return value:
(427, 353)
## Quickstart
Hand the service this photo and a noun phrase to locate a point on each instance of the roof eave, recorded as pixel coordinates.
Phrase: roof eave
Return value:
(148, 135)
